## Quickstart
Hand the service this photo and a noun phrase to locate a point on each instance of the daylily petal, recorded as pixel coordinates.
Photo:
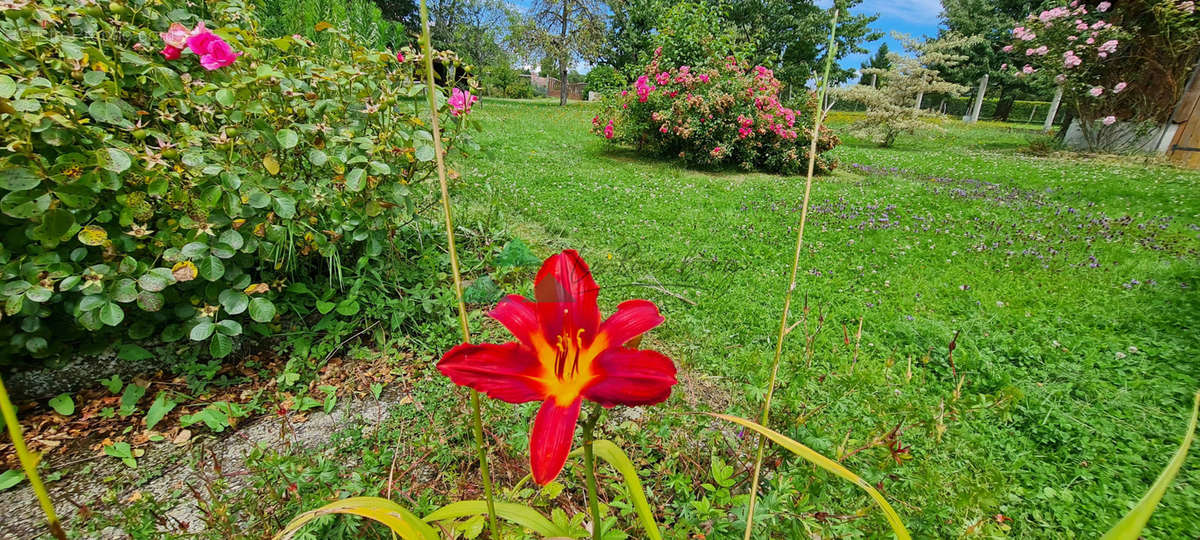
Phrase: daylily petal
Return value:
(566, 296)
(505, 372)
(631, 377)
(632, 319)
(519, 316)
(550, 440)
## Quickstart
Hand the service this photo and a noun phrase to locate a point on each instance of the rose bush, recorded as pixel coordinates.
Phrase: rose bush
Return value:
(160, 177)
(715, 116)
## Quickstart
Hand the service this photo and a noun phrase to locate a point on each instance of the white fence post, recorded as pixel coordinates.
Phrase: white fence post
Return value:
(1053, 109)
(983, 83)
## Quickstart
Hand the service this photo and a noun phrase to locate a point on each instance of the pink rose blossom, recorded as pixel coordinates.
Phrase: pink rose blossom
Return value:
(1103, 6)
(170, 53)
(663, 129)
(1109, 120)
(176, 36)
(1120, 86)
(1028, 69)
(608, 130)
(460, 102)
(1096, 91)
(400, 57)
(213, 51)
(1007, 48)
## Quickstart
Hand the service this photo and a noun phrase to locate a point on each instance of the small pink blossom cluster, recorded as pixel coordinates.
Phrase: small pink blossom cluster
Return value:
(1040, 51)
(643, 86)
(1022, 34)
(1070, 60)
(608, 130)
(214, 52)
(460, 102)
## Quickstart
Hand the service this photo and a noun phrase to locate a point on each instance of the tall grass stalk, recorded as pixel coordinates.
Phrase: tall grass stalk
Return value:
(476, 416)
(822, 89)
(29, 462)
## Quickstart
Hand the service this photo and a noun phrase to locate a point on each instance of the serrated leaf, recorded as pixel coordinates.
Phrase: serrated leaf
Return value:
(220, 346)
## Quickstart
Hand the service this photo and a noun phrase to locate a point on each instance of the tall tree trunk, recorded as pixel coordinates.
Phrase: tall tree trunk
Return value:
(562, 83)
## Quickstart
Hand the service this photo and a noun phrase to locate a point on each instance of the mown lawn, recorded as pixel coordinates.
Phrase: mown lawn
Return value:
(1071, 282)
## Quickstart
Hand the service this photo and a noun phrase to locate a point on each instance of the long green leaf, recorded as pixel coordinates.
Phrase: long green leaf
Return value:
(613, 454)
(517, 513)
(824, 463)
(396, 517)
(1130, 526)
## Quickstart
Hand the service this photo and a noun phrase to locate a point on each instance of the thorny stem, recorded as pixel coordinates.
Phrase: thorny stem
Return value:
(589, 465)
(29, 462)
(476, 416)
(822, 89)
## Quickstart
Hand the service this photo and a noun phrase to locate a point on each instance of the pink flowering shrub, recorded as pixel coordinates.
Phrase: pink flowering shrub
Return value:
(727, 115)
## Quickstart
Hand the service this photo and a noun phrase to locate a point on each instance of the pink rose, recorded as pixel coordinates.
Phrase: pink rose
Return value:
(1028, 69)
(176, 36)
(1096, 91)
(460, 102)
(1007, 48)
(608, 130)
(1109, 120)
(170, 53)
(400, 57)
(1120, 86)
(213, 51)
(1103, 6)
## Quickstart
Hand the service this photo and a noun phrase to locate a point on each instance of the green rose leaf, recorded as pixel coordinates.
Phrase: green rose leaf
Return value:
(202, 331)
(111, 314)
(18, 179)
(262, 310)
(356, 179)
(233, 301)
(115, 160)
(25, 204)
(210, 268)
(220, 346)
(287, 138)
(317, 157)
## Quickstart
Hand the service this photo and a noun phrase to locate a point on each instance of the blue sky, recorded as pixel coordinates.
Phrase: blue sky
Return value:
(913, 17)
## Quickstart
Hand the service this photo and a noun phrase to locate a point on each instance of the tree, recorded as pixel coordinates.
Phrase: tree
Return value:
(471, 28)
(792, 36)
(992, 21)
(878, 62)
(563, 29)
(401, 11)
(892, 105)
(631, 30)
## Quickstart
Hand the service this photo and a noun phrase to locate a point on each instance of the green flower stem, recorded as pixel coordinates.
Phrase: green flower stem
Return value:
(589, 465)
(29, 462)
(476, 415)
(823, 87)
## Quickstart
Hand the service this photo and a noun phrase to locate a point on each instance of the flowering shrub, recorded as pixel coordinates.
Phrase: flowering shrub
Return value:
(159, 178)
(714, 117)
(1076, 46)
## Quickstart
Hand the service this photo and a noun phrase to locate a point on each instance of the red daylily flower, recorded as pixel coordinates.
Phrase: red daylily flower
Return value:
(563, 355)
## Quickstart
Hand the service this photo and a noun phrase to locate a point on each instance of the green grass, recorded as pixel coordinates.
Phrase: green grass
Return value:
(1059, 424)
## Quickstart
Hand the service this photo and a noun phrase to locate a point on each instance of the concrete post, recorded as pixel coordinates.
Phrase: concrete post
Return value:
(873, 79)
(1049, 123)
(920, 98)
(983, 83)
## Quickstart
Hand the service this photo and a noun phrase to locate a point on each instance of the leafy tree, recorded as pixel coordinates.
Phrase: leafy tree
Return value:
(880, 62)
(792, 35)
(401, 11)
(892, 105)
(563, 29)
(472, 28)
(992, 21)
(631, 29)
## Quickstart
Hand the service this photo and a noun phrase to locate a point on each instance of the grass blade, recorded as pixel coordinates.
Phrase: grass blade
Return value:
(620, 461)
(517, 513)
(402, 522)
(1130, 526)
(825, 463)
